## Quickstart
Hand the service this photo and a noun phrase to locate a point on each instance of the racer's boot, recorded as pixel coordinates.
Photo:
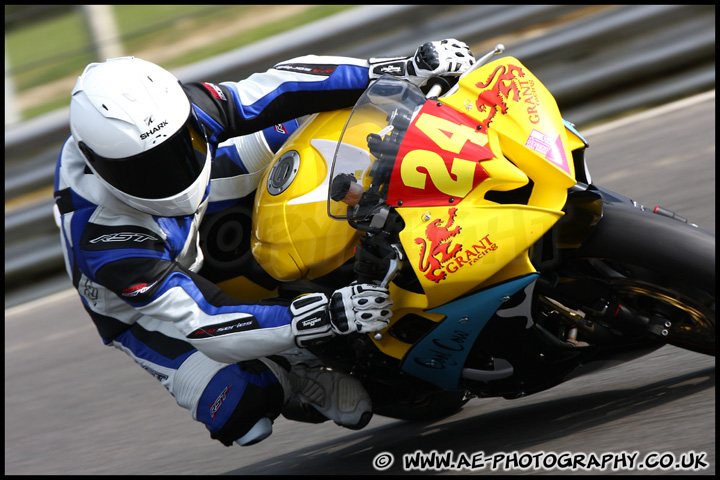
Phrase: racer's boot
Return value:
(336, 395)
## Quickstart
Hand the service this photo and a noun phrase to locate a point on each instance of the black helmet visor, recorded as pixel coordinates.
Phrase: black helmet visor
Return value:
(161, 172)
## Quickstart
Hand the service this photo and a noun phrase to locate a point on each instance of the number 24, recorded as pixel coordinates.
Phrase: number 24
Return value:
(463, 170)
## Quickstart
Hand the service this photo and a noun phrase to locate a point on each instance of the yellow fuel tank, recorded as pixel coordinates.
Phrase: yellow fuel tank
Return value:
(291, 206)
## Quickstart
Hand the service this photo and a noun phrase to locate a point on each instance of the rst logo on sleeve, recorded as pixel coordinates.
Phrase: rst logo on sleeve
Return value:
(123, 237)
(105, 237)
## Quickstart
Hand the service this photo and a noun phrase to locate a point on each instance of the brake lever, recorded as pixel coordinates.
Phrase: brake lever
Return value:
(393, 268)
(392, 271)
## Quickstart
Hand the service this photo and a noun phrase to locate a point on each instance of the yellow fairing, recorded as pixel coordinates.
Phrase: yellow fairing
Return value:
(453, 250)
(293, 236)
(468, 240)
(508, 99)
(478, 242)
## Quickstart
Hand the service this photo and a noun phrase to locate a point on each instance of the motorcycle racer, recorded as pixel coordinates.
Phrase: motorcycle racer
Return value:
(148, 158)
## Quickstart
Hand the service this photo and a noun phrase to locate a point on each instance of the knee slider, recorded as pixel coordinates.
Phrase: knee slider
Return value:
(249, 411)
(259, 432)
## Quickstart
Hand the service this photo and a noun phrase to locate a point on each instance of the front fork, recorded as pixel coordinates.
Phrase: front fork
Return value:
(584, 209)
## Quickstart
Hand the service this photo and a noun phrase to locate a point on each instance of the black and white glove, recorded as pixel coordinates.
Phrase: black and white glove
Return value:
(449, 57)
(361, 308)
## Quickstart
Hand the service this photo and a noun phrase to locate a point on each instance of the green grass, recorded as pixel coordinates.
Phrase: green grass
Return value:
(252, 35)
(54, 103)
(46, 51)
(59, 47)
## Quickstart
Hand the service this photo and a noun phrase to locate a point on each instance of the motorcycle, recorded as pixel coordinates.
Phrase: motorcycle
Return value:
(510, 270)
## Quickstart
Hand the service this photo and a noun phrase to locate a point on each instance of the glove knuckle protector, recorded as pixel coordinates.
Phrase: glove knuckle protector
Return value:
(431, 59)
(360, 308)
(341, 308)
(445, 57)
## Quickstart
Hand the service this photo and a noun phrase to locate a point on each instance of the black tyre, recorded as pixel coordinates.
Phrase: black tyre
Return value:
(656, 267)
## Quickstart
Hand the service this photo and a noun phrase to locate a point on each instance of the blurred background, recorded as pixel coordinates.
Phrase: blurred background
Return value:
(601, 62)
(47, 46)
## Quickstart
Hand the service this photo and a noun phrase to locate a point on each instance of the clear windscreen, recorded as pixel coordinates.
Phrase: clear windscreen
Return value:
(368, 147)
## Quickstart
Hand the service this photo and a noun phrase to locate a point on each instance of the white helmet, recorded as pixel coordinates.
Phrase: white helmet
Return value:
(139, 134)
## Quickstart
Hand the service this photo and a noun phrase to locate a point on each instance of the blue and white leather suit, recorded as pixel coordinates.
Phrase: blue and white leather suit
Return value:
(137, 274)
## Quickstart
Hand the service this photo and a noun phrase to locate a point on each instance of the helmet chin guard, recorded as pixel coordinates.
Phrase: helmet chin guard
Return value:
(139, 134)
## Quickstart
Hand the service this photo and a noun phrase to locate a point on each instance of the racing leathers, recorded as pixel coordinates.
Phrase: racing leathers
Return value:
(137, 274)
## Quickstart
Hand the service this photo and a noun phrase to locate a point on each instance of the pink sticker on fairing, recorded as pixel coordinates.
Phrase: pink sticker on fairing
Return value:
(552, 151)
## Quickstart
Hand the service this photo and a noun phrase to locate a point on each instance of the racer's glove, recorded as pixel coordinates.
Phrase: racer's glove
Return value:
(449, 57)
(361, 308)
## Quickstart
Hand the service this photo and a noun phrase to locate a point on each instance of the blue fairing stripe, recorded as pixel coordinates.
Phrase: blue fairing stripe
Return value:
(571, 127)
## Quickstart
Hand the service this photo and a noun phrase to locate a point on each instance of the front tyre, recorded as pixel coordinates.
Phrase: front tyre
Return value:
(653, 271)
